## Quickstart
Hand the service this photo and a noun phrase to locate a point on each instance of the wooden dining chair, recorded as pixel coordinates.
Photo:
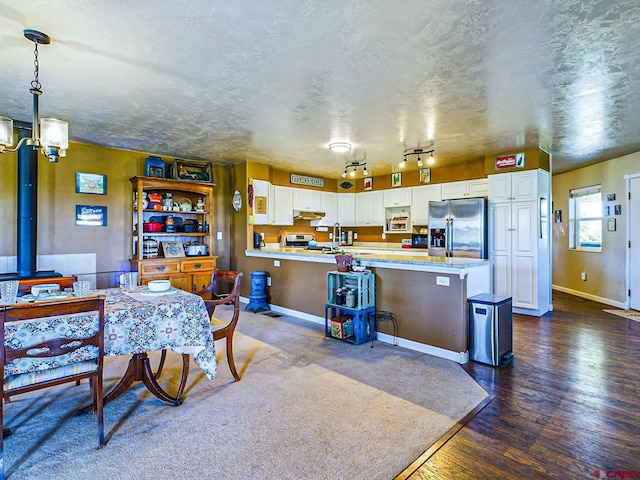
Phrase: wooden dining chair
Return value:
(25, 285)
(51, 343)
(221, 281)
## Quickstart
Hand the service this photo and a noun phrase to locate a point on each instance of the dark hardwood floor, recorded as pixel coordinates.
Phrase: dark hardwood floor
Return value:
(567, 407)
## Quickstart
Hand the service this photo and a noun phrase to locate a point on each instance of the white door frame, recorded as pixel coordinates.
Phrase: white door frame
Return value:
(628, 178)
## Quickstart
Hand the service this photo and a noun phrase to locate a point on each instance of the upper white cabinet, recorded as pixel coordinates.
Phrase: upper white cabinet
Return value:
(328, 205)
(397, 197)
(262, 195)
(521, 185)
(282, 205)
(465, 189)
(346, 209)
(306, 200)
(369, 209)
(420, 198)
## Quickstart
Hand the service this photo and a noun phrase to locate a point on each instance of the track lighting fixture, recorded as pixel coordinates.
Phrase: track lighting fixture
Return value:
(354, 166)
(418, 152)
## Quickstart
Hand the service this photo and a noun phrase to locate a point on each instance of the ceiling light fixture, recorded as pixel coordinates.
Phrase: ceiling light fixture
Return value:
(340, 147)
(354, 166)
(418, 152)
(49, 134)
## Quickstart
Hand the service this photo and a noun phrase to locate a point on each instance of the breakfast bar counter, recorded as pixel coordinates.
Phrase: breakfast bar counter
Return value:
(427, 295)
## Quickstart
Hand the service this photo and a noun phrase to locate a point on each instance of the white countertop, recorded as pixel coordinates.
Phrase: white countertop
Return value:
(420, 261)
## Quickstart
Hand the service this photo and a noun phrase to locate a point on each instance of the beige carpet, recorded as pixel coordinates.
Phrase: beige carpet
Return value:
(307, 407)
(630, 314)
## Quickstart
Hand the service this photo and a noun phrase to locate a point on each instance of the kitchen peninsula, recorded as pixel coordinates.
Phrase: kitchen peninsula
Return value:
(428, 295)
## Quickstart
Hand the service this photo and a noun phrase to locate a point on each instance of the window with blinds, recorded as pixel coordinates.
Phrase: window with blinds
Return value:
(585, 219)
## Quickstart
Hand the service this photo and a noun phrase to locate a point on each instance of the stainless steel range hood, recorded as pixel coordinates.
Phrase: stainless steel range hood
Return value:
(306, 215)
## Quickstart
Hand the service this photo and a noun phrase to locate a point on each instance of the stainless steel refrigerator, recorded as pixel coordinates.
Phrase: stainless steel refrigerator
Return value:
(458, 228)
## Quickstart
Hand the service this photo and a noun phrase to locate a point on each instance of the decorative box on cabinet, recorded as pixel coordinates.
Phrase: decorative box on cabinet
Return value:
(360, 312)
(188, 273)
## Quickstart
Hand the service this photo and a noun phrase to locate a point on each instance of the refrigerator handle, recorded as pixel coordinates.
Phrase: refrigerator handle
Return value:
(450, 237)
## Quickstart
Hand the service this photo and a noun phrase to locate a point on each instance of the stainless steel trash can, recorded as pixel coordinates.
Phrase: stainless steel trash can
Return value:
(490, 329)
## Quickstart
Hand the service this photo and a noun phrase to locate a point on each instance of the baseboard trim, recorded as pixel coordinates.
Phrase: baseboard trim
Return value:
(459, 357)
(588, 296)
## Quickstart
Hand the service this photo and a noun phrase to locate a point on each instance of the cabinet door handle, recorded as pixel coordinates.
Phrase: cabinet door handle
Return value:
(197, 265)
(161, 268)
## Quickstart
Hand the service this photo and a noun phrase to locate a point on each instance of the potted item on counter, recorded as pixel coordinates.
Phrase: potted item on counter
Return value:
(357, 265)
(344, 261)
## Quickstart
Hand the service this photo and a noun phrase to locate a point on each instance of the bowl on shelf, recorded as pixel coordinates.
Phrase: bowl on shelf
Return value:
(358, 268)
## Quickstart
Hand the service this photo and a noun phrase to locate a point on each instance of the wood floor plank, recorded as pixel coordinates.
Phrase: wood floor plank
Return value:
(566, 407)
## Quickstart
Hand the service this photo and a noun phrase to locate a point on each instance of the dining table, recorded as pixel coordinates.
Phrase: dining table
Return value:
(139, 321)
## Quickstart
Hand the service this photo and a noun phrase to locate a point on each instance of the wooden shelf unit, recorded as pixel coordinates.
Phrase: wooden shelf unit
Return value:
(187, 273)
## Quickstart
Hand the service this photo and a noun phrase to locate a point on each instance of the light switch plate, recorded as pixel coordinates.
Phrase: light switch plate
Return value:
(444, 281)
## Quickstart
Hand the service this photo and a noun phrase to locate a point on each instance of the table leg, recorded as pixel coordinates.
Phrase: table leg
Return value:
(139, 369)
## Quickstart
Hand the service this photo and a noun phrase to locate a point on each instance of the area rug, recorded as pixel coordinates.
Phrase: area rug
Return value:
(307, 407)
(630, 314)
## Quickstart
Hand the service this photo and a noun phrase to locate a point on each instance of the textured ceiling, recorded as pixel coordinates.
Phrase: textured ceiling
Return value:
(275, 81)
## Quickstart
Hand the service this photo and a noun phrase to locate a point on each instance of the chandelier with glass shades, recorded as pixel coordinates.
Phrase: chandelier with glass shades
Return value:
(50, 135)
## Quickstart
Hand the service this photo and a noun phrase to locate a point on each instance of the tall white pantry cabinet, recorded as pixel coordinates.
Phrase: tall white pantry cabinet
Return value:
(519, 243)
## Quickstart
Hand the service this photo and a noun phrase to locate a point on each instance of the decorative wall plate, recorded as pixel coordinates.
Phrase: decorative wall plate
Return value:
(236, 201)
(346, 185)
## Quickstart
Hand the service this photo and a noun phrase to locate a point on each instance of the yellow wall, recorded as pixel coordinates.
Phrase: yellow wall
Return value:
(605, 270)
(57, 200)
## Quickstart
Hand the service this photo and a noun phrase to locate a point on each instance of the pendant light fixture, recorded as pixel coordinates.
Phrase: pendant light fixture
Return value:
(50, 135)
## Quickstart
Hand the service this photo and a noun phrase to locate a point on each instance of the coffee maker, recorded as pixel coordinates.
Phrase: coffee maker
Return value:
(258, 241)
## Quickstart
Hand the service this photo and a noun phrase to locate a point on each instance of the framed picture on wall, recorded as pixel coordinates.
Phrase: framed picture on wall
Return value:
(367, 183)
(425, 175)
(91, 216)
(396, 179)
(91, 183)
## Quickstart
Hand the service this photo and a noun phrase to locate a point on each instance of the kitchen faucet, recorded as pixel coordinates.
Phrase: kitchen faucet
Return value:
(333, 240)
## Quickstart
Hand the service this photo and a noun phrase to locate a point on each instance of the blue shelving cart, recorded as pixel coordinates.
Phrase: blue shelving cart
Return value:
(349, 314)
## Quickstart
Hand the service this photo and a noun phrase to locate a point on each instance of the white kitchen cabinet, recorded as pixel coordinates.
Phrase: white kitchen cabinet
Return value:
(420, 198)
(263, 190)
(306, 200)
(465, 189)
(328, 205)
(282, 205)
(397, 197)
(369, 209)
(346, 209)
(515, 185)
(519, 243)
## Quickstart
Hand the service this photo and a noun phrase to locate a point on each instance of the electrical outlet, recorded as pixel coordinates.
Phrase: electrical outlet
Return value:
(276, 263)
(355, 235)
(219, 236)
(444, 281)
(268, 281)
(330, 235)
(384, 236)
(583, 275)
